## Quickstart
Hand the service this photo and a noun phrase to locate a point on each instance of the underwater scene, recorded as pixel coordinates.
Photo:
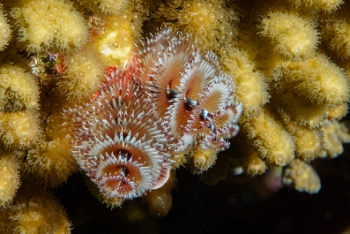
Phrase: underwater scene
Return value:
(174, 116)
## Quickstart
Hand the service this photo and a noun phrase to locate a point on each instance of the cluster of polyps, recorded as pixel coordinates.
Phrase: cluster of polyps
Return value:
(171, 98)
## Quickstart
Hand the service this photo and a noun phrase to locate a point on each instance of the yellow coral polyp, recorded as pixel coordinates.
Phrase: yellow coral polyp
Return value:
(116, 42)
(255, 166)
(302, 177)
(209, 21)
(298, 110)
(203, 159)
(105, 6)
(334, 135)
(203, 14)
(251, 87)
(337, 34)
(18, 89)
(39, 212)
(5, 30)
(337, 112)
(20, 129)
(307, 143)
(115, 48)
(326, 5)
(49, 25)
(51, 163)
(9, 178)
(84, 72)
(295, 38)
(317, 80)
(272, 142)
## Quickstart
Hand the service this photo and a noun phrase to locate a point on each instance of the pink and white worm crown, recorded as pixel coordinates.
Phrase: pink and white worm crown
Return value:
(171, 99)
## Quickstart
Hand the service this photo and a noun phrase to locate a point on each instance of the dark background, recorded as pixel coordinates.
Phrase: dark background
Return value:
(232, 206)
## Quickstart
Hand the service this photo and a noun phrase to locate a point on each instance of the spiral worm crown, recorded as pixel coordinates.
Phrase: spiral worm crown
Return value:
(172, 98)
(117, 141)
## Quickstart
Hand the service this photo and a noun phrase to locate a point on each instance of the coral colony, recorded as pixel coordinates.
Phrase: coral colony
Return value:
(80, 92)
(171, 99)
